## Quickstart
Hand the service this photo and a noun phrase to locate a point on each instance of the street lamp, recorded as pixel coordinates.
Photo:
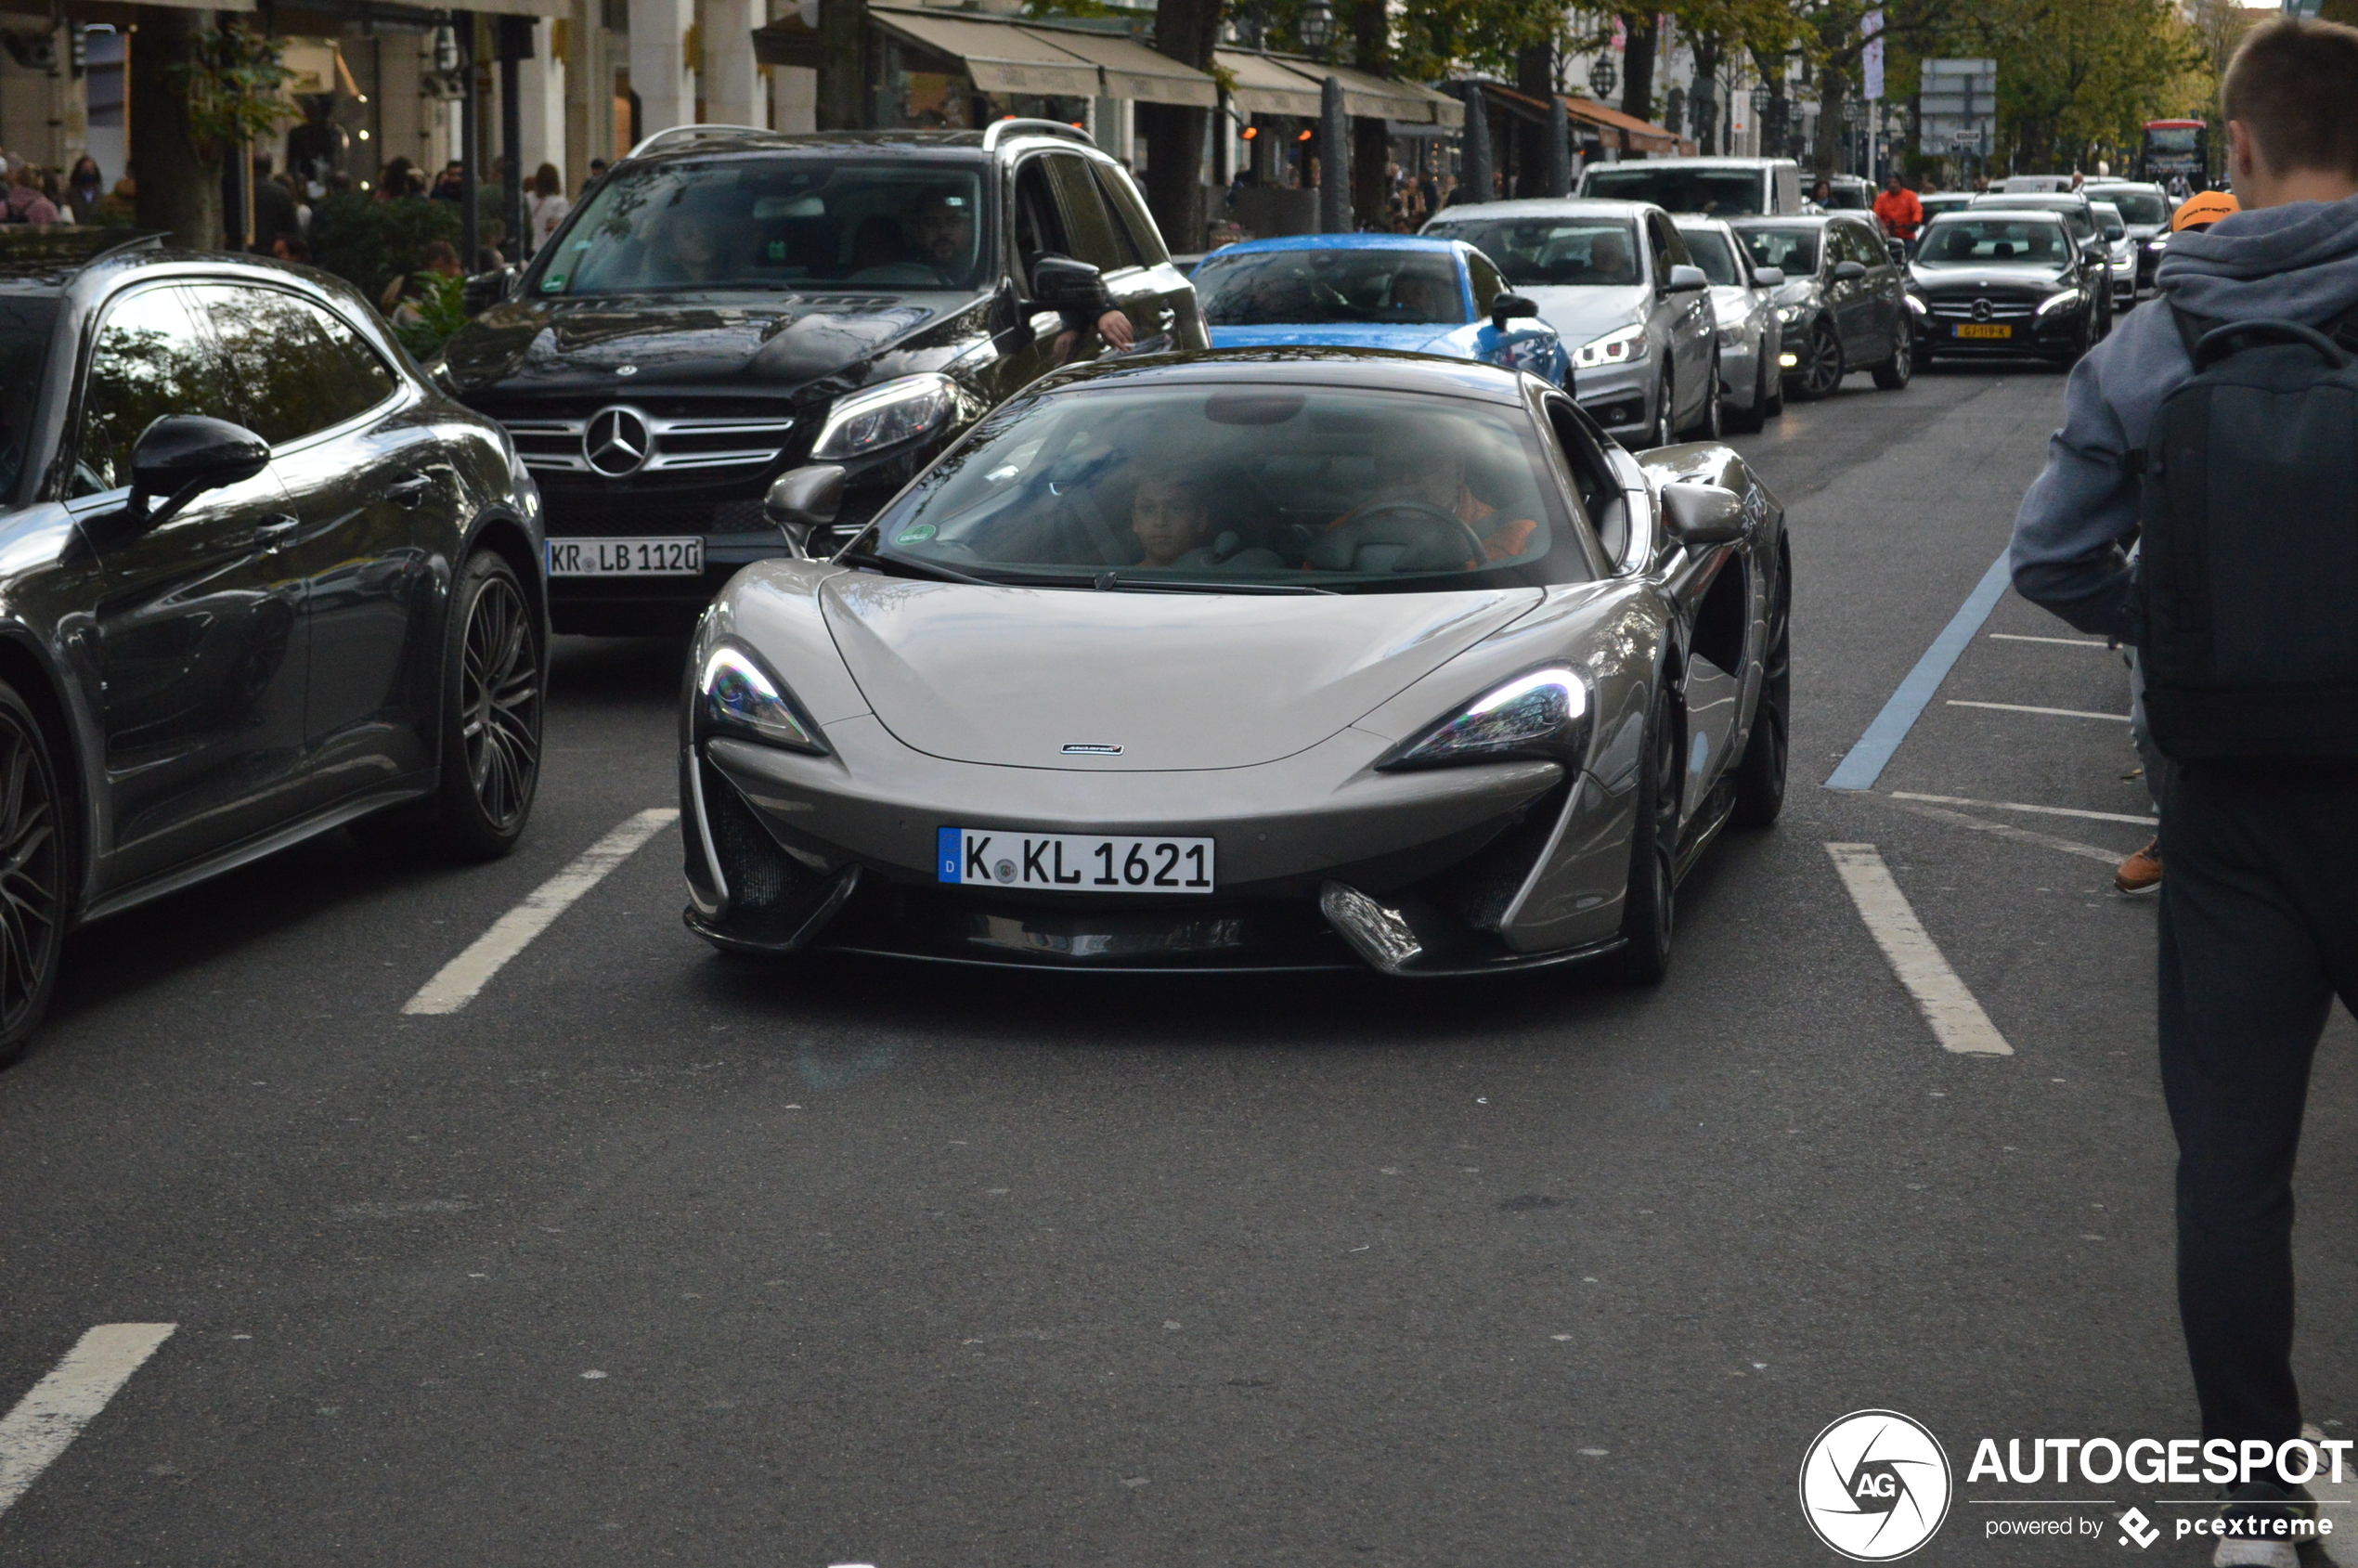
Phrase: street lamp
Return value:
(1604, 76)
(1316, 26)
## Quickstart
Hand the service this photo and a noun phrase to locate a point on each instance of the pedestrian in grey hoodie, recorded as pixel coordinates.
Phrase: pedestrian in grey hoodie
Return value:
(2259, 917)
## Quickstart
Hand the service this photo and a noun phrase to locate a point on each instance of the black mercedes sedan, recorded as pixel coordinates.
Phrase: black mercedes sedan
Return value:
(730, 304)
(2005, 282)
(258, 580)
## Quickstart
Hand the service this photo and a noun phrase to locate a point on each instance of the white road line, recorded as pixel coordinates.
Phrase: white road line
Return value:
(2018, 806)
(2097, 642)
(2058, 712)
(472, 970)
(53, 1413)
(1956, 1019)
(2019, 834)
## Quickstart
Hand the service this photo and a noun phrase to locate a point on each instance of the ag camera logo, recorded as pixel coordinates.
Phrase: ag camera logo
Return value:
(1876, 1485)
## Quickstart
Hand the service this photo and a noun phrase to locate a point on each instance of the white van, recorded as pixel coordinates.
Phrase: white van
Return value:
(1717, 187)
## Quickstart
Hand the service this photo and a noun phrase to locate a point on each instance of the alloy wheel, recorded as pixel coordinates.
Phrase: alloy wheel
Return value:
(1821, 364)
(499, 698)
(31, 888)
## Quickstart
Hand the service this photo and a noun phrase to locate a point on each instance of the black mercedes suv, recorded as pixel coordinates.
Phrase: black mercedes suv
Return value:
(730, 304)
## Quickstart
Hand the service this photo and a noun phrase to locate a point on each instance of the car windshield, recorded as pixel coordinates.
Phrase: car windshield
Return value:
(1719, 192)
(2140, 206)
(2075, 213)
(1794, 250)
(776, 223)
(1713, 255)
(1244, 486)
(24, 345)
(1970, 242)
(1554, 252)
(1322, 287)
(1847, 199)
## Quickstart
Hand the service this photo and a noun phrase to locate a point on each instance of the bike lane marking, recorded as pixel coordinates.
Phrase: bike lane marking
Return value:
(459, 981)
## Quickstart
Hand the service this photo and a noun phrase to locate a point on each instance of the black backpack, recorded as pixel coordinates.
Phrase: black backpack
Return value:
(2247, 572)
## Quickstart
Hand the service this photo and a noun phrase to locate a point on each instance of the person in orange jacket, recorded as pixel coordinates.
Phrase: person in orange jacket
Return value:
(1898, 210)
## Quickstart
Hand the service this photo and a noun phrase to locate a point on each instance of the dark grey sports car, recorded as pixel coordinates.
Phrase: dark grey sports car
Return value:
(1258, 659)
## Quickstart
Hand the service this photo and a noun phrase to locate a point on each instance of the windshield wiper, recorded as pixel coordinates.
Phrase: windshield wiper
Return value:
(915, 568)
(1110, 583)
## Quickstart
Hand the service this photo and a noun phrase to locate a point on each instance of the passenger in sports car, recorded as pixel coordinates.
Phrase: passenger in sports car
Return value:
(1420, 467)
(1170, 519)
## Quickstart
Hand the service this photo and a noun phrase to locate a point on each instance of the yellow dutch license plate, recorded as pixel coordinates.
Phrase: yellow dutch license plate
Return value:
(1985, 330)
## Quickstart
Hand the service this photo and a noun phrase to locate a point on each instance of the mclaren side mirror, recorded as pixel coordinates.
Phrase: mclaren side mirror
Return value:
(803, 500)
(1703, 515)
(181, 456)
(1506, 307)
(1849, 271)
(1767, 276)
(1687, 279)
(1061, 283)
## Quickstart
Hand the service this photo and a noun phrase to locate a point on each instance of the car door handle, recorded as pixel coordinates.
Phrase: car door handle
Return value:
(409, 492)
(276, 529)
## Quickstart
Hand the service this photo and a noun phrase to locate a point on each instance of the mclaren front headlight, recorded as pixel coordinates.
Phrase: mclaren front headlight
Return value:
(884, 415)
(737, 694)
(1625, 346)
(1539, 716)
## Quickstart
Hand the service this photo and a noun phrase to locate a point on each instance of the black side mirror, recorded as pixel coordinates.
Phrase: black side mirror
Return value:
(1849, 271)
(1061, 283)
(1703, 515)
(1898, 249)
(1009, 320)
(181, 456)
(804, 498)
(487, 289)
(1506, 307)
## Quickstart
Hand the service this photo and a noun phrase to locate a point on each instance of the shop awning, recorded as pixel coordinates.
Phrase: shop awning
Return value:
(1133, 71)
(1377, 97)
(1643, 135)
(1262, 85)
(1001, 58)
(787, 41)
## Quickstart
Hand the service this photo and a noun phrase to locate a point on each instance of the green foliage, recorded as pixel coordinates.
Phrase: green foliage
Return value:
(2077, 79)
(441, 305)
(370, 242)
(233, 85)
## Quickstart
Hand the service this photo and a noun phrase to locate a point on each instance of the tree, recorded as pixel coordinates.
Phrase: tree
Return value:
(2077, 79)
(198, 92)
(1187, 31)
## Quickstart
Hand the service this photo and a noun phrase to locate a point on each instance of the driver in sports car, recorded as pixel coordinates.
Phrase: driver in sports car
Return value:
(1418, 467)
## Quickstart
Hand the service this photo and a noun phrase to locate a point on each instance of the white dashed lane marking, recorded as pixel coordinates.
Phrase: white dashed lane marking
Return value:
(53, 1413)
(1956, 1019)
(2019, 834)
(472, 970)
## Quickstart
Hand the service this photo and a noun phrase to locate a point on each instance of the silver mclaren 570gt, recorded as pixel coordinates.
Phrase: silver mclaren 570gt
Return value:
(1270, 659)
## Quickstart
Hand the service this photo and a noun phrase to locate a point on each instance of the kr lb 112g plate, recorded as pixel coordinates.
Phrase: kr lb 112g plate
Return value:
(1072, 863)
(627, 558)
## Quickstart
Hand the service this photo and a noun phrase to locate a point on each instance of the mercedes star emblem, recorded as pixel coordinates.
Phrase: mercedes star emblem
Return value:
(1981, 310)
(617, 440)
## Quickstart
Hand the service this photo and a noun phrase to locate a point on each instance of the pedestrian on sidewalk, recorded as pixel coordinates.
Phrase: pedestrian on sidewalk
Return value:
(2259, 917)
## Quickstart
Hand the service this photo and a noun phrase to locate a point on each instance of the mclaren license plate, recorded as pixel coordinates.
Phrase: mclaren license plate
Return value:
(1072, 863)
(1985, 330)
(627, 558)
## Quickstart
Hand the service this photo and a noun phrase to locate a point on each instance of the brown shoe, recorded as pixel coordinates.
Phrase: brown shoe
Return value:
(2140, 873)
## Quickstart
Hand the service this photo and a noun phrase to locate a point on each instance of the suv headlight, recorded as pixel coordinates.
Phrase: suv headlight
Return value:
(737, 692)
(1626, 346)
(1541, 715)
(2053, 303)
(884, 415)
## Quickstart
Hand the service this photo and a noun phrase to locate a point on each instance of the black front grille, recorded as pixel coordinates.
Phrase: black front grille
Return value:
(707, 438)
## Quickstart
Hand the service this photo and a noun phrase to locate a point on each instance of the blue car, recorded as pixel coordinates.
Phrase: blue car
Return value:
(1398, 291)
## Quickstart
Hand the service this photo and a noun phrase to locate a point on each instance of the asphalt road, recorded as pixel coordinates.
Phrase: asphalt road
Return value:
(649, 1255)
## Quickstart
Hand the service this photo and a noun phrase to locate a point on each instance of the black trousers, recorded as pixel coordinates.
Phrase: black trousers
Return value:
(2258, 932)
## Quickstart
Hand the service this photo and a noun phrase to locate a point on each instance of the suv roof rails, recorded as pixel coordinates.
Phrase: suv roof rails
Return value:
(1014, 126)
(662, 140)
